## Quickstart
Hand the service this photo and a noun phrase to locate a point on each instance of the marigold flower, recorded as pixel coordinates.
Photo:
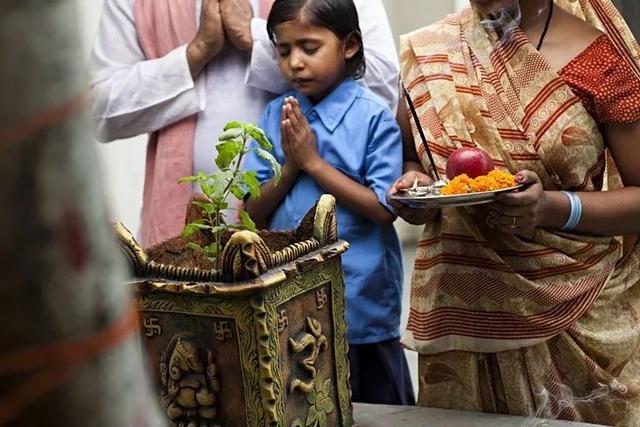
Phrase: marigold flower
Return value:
(458, 185)
(495, 180)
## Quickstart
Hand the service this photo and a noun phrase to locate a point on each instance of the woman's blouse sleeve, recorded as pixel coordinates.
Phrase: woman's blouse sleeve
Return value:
(605, 82)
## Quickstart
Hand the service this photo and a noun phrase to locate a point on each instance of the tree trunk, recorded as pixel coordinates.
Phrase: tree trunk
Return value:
(68, 353)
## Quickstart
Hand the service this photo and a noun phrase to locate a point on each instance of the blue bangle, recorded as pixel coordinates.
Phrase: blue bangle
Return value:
(576, 211)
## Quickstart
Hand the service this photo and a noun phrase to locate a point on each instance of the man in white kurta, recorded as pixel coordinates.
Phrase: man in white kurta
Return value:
(135, 96)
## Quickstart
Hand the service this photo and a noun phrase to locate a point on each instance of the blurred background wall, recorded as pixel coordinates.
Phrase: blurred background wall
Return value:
(631, 10)
(408, 15)
(121, 162)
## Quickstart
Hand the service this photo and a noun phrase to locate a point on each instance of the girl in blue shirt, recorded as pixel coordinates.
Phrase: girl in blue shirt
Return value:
(332, 135)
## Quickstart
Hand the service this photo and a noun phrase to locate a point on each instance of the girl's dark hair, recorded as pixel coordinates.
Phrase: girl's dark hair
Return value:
(339, 16)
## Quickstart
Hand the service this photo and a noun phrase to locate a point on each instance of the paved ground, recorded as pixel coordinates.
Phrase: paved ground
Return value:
(398, 416)
(409, 252)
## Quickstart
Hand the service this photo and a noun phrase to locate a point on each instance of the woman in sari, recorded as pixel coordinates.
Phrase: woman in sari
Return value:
(530, 306)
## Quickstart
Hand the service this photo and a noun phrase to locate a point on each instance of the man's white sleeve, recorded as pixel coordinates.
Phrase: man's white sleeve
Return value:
(263, 71)
(133, 95)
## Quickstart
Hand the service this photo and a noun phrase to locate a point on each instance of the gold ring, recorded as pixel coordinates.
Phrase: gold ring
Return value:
(513, 224)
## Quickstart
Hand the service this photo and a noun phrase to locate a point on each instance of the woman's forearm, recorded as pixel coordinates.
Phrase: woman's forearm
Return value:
(412, 166)
(350, 193)
(604, 213)
(271, 196)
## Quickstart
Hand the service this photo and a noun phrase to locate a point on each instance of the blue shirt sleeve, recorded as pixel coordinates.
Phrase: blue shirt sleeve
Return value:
(254, 162)
(383, 163)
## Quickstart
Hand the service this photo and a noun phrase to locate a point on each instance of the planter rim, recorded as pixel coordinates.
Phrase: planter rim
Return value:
(269, 279)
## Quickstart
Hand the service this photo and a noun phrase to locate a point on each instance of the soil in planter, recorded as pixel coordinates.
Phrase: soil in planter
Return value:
(305, 229)
(175, 251)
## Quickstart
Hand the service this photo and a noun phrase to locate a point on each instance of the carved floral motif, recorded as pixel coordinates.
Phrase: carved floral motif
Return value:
(321, 406)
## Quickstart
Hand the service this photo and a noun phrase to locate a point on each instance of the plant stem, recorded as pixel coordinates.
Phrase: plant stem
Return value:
(225, 193)
(217, 240)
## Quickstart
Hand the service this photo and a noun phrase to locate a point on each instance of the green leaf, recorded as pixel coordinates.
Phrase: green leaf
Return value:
(247, 221)
(238, 191)
(220, 205)
(214, 185)
(199, 224)
(221, 180)
(233, 125)
(212, 249)
(231, 134)
(235, 226)
(207, 189)
(202, 226)
(188, 230)
(206, 207)
(275, 166)
(195, 247)
(187, 179)
(218, 228)
(199, 177)
(250, 179)
(227, 152)
(260, 137)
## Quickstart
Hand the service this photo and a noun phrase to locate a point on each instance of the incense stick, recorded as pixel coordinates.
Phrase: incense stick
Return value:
(414, 113)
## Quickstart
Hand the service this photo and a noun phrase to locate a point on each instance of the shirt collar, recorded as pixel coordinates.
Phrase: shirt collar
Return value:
(334, 106)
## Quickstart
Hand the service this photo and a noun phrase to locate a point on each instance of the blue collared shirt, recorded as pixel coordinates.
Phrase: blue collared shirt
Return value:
(358, 135)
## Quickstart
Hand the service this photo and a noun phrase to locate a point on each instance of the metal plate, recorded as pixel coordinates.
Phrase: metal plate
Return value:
(467, 199)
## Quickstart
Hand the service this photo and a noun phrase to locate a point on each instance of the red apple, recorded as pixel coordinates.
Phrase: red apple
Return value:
(472, 161)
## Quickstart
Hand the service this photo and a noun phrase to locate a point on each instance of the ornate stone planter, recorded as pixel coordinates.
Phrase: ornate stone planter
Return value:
(262, 343)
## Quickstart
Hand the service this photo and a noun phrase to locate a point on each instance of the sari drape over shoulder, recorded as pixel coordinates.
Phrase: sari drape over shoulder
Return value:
(527, 325)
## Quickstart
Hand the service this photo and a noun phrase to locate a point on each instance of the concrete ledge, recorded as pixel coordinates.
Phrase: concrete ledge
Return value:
(413, 416)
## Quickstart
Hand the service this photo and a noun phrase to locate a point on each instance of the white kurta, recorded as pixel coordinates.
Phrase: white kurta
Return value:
(133, 95)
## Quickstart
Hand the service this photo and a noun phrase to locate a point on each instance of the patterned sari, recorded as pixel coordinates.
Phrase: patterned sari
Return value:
(546, 324)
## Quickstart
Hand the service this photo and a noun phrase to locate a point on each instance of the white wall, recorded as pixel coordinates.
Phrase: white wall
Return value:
(122, 162)
(459, 4)
(408, 15)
